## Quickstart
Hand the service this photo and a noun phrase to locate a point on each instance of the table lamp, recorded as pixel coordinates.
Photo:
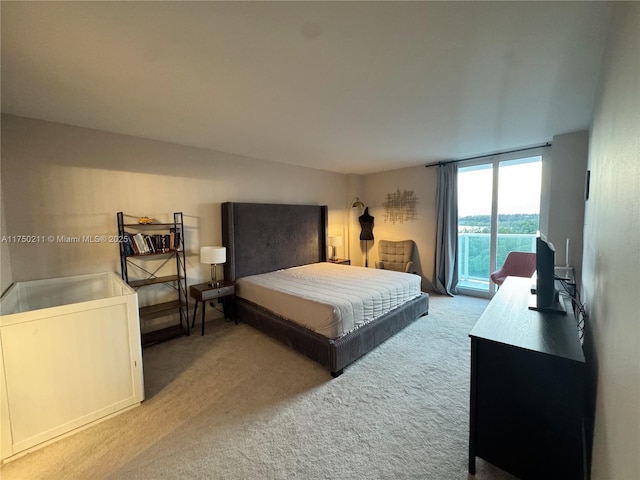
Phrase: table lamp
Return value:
(214, 256)
(333, 243)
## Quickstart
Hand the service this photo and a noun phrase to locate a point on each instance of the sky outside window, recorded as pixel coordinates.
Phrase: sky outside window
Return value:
(519, 188)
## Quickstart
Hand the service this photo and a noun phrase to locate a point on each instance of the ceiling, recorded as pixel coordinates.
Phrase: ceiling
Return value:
(349, 87)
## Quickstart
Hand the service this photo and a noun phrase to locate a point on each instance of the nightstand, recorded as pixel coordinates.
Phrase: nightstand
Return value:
(340, 261)
(204, 292)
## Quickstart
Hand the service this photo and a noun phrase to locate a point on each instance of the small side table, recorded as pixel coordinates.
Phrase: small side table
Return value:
(204, 292)
(340, 261)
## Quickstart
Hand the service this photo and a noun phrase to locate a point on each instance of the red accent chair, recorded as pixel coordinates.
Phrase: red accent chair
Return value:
(517, 264)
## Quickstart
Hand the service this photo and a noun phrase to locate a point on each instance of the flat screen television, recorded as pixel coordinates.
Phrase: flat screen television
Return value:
(544, 294)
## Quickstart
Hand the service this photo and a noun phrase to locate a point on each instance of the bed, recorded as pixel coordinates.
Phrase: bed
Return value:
(262, 238)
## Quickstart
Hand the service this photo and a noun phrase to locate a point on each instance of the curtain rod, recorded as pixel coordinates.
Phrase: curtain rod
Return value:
(548, 144)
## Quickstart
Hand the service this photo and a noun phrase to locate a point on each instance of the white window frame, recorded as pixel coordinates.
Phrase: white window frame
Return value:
(495, 161)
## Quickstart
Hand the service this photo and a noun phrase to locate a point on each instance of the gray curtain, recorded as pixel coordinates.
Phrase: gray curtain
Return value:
(445, 278)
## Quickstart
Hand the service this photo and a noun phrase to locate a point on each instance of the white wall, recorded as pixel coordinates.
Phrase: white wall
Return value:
(611, 261)
(562, 204)
(63, 180)
(564, 191)
(6, 276)
(59, 180)
(422, 181)
(352, 229)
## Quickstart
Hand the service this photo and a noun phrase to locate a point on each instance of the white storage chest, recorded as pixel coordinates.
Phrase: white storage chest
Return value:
(70, 355)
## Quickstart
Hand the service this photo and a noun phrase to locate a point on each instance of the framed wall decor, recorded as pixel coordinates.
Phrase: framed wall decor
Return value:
(400, 207)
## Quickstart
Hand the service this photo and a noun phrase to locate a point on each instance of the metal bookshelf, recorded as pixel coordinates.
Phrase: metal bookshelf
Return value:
(141, 242)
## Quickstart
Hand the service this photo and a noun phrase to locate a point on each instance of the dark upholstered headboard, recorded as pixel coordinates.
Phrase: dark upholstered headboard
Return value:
(263, 237)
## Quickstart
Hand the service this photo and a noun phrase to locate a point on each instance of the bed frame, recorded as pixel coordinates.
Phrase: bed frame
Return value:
(263, 237)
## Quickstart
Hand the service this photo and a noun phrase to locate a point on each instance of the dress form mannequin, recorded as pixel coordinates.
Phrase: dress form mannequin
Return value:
(366, 234)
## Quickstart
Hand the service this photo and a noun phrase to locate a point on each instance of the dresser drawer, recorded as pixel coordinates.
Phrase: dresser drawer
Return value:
(221, 291)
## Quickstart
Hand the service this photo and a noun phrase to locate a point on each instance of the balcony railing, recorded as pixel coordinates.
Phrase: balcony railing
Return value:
(474, 252)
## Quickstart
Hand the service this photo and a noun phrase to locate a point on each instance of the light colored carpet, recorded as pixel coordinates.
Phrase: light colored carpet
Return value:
(235, 404)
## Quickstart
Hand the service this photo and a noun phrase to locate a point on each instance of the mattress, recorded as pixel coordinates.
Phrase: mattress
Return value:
(327, 298)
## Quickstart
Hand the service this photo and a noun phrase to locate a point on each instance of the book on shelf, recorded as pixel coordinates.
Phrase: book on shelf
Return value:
(128, 244)
(174, 235)
(149, 244)
(156, 240)
(133, 243)
(140, 243)
(143, 244)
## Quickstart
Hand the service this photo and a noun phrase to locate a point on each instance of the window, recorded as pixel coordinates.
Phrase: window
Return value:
(498, 212)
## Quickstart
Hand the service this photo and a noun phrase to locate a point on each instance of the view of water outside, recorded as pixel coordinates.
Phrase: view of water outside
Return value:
(517, 219)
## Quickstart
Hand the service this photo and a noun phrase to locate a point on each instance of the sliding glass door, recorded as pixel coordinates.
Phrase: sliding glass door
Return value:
(498, 212)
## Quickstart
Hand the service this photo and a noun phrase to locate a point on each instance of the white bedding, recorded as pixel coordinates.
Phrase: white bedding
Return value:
(329, 299)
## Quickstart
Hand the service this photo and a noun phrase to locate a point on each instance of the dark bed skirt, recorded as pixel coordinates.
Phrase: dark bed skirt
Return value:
(334, 354)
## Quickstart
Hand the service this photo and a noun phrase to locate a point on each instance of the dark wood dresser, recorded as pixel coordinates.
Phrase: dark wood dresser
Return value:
(527, 388)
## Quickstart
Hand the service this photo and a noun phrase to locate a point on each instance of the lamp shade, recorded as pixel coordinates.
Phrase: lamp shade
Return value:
(356, 203)
(335, 241)
(213, 255)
